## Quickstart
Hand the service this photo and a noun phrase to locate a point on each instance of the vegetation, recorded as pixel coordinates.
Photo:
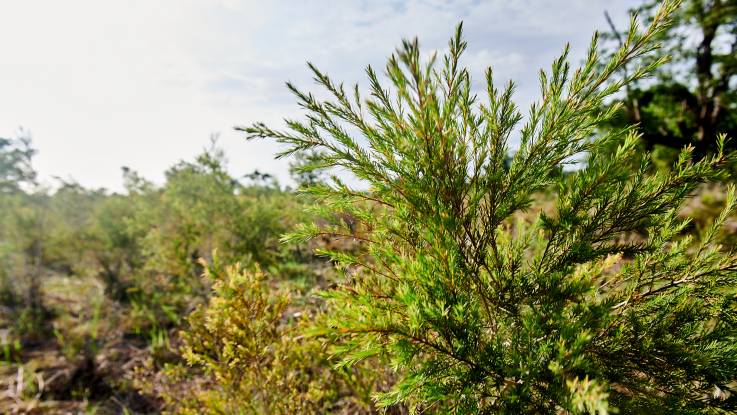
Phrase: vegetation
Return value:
(692, 99)
(143, 249)
(462, 273)
(259, 357)
(22, 234)
(480, 311)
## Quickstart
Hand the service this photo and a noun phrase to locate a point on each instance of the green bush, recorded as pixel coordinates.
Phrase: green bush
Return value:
(249, 339)
(147, 244)
(24, 216)
(598, 305)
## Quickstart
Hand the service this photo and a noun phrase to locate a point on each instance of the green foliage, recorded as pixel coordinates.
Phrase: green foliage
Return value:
(598, 305)
(95, 278)
(24, 214)
(693, 97)
(306, 169)
(200, 209)
(144, 246)
(249, 340)
(15, 171)
(15, 163)
(114, 242)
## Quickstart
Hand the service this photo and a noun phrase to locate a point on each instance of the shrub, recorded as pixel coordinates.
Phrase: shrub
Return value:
(114, 242)
(249, 340)
(150, 241)
(482, 312)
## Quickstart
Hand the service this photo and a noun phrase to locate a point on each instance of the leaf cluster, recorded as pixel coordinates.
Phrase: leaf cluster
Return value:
(599, 304)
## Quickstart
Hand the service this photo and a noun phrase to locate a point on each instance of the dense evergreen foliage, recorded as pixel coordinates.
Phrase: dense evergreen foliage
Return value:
(597, 304)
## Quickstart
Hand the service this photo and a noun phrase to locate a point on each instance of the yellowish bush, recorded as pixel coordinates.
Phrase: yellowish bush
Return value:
(250, 342)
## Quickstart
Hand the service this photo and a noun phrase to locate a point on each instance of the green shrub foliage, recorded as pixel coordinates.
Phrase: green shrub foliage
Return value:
(249, 340)
(597, 304)
(24, 214)
(146, 245)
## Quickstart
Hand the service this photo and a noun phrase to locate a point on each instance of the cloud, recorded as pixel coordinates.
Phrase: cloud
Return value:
(143, 84)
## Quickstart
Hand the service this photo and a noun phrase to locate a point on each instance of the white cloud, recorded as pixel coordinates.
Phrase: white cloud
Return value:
(143, 83)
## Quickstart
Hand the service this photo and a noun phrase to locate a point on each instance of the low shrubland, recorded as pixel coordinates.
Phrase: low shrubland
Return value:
(461, 276)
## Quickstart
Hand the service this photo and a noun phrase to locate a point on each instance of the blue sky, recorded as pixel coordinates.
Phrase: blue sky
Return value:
(103, 84)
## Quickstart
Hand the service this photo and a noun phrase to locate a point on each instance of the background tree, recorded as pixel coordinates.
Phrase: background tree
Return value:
(15, 163)
(693, 98)
(24, 214)
(304, 170)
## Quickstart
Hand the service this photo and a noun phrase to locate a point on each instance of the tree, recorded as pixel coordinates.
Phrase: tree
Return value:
(15, 163)
(23, 216)
(115, 244)
(693, 97)
(148, 244)
(595, 305)
(302, 170)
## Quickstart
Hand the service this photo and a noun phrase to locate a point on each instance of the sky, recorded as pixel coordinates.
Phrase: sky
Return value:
(101, 84)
